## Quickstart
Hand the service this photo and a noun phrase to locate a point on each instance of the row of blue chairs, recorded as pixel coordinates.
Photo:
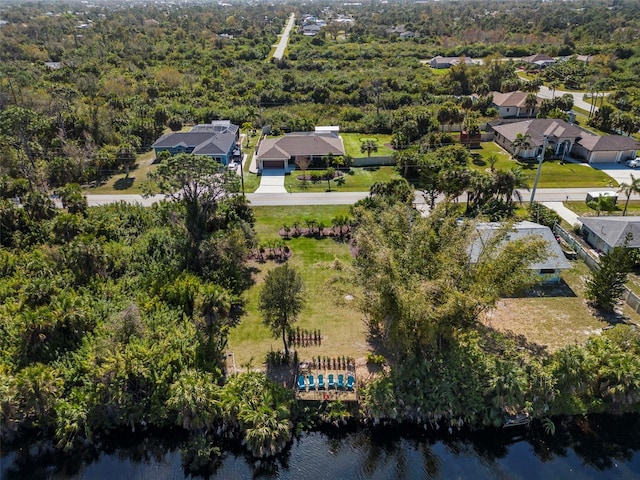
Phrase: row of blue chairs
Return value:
(331, 384)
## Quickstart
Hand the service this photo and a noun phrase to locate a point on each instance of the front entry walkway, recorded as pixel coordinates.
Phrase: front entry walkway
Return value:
(272, 181)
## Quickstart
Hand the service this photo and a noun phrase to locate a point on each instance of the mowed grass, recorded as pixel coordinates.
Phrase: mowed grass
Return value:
(353, 142)
(553, 174)
(559, 316)
(582, 209)
(358, 179)
(132, 184)
(338, 319)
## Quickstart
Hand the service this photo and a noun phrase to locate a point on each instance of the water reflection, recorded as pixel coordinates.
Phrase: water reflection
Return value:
(598, 447)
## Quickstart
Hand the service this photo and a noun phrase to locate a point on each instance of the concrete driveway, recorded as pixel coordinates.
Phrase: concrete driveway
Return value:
(619, 171)
(272, 181)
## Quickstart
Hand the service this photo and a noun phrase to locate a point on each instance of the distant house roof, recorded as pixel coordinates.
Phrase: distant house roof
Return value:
(522, 230)
(450, 60)
(585, 58)
(614, 230)
(608, 143)
(537, 129)
(301, 143)
(510, 99)
(538, 57)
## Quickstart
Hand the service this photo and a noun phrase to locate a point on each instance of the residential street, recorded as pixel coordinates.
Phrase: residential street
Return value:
(545, 92)
(348, 198)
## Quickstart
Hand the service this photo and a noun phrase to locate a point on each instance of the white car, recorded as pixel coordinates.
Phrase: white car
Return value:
(635, 163)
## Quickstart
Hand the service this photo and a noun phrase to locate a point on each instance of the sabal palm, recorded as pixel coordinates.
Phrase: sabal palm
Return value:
(629, 189)
(521, 142)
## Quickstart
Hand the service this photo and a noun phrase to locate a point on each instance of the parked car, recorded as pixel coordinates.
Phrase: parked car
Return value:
(635, 163)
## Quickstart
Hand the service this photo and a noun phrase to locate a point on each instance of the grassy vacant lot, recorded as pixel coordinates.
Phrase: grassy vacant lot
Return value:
(358, 179)
(353, 141)
(133, 184)
(554, 316)
(553, 175)
(338, 320)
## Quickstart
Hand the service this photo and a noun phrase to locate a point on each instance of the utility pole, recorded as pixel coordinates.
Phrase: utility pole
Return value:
(540, 160)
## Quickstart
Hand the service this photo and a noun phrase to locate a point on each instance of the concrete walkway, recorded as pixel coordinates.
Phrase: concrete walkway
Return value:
(567, 215)
(272, 181)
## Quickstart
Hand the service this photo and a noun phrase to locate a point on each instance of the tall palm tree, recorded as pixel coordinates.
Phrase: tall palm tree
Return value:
(629, 189)
(553, 86)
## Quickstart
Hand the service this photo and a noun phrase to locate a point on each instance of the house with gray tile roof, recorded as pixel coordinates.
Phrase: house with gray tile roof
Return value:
(606, 148)
(564, 138)
(548, 268)
(281, 152)
(561, 136)
(604, 233)
(218, 140)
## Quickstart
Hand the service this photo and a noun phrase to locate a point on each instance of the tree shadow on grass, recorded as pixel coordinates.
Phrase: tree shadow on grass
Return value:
(477, 159)
(123, 183)
(548, 289)
(371, 169)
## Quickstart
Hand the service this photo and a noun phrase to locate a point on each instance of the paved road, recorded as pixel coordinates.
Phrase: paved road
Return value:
(284, 39)
(349, 198)
(545, 92)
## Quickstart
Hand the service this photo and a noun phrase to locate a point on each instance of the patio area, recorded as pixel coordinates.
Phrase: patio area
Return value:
(346, 392)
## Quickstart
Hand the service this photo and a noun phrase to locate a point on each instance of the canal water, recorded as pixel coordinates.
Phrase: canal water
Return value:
(597, 448)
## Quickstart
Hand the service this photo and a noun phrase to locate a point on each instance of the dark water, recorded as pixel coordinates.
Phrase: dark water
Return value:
(599, 448)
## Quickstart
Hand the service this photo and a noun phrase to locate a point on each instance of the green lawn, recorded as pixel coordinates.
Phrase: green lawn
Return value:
(120, 183)
(338, 320)
(553, 175)
(358, 179)
(582, 209)
(353, 141)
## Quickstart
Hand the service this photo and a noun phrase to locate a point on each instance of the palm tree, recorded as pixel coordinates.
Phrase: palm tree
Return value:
(531, 102)
(629, 189)
(521, 142)
(492, 158)
(368, 146)
(553, 86)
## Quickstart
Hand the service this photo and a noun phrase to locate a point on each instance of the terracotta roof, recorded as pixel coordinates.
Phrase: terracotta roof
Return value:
(303, 143)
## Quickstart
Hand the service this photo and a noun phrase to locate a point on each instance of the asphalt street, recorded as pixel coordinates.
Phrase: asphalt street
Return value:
(348, 198)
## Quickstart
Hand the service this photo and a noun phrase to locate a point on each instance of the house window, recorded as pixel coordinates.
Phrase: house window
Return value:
(507, 109)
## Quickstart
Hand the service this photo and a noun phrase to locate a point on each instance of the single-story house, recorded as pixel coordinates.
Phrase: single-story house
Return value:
(540, 59)
(561, 136)
(218, 140)
(281, 152)
(311, 30)
(564, 138)
(606, 148)
(448, 62)
(513, 104)
(548, 268)
(606, 232)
